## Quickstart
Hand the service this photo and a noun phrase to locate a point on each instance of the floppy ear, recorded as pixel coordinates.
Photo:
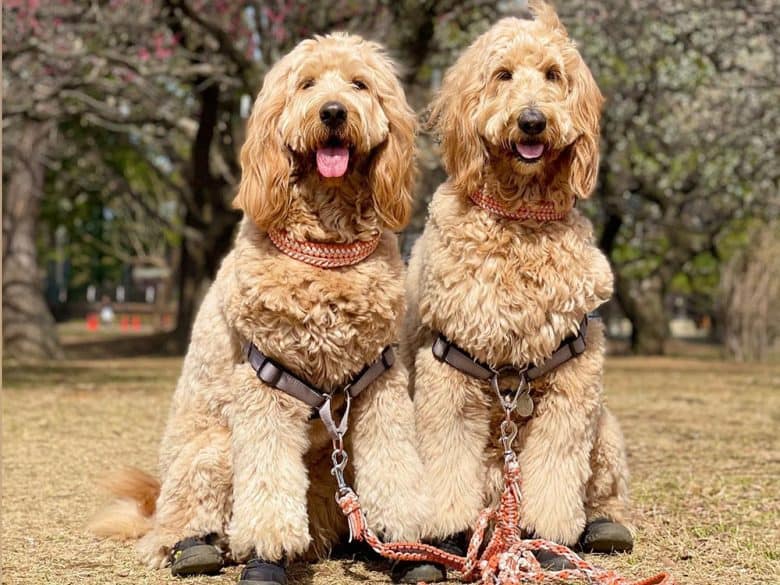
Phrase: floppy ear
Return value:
(393, 170)
(585, 101)
(451, 117)
(266, 164)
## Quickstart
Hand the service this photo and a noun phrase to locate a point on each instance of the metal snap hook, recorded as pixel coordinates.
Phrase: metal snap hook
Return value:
(339, 457)
(508, 434)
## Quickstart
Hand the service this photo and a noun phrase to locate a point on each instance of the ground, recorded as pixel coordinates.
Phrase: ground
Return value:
(702, 439)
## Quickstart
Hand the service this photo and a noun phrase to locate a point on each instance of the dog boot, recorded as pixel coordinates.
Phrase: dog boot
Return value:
(605, 536)
(260, 572)
(195, 556)
(553, 562)
(413, 572)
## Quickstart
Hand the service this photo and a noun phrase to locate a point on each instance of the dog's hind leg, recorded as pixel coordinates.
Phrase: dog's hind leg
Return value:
(607, 491)
(453, 426)
(195, 494)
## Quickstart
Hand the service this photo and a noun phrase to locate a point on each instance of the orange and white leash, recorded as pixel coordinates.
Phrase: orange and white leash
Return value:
(507, 559)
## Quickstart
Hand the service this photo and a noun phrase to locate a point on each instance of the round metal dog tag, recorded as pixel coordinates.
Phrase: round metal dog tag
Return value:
(525, 405)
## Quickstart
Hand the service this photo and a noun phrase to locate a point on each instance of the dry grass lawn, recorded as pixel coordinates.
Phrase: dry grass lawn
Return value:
(702, 436)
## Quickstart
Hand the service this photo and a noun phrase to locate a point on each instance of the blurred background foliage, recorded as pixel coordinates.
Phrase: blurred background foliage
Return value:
(122, 123)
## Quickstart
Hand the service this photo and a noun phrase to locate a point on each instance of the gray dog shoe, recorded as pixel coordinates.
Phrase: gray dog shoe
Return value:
(194, 556)
(414, 572)
(605, 536)
(260, 572)
(553, 562)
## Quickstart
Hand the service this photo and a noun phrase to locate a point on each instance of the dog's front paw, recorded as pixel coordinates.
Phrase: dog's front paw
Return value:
(399, 518)
(554, 523)
(270, 541)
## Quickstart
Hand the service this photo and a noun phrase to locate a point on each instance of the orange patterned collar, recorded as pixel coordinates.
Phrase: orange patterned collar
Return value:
(540, 210)
(323, 255)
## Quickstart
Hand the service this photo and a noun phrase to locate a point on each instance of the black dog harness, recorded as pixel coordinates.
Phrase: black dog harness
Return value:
(279, 377)
(519, 399)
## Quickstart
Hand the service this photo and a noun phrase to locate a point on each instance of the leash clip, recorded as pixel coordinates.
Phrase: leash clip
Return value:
(339, 457)
(508, 435)
(511, 465)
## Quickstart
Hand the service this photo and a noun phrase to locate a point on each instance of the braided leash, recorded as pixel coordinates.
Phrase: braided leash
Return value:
(507, 559)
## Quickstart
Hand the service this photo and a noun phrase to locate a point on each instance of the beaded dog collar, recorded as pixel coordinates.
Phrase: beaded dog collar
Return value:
(540, 211)
(323, 255)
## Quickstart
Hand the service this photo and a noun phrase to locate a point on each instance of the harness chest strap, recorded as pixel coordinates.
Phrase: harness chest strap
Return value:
(277, 376)
(446, 351)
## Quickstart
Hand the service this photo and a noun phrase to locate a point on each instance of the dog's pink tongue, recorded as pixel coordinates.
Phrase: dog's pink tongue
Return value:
(332, 162)
(530, 150)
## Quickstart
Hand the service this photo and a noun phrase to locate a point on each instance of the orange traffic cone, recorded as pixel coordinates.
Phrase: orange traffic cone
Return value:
(92, 322)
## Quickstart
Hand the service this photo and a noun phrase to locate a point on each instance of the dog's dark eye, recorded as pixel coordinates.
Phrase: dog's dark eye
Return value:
(358, 84)
(504, 75)
(553, 74)
(307, 83)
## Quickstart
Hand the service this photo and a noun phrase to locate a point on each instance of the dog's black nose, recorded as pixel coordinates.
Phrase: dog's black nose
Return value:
(333, 114)
(532, 121)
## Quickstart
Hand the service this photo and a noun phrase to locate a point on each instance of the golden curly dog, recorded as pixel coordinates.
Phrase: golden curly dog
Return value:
(506, 269)
(328, 159)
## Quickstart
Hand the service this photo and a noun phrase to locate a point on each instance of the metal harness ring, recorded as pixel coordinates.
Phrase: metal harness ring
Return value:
(509, 400)
(336, 430)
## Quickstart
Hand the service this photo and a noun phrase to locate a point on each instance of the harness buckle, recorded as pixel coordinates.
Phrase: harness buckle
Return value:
(269, 373)
(577, 346)
(388, 357)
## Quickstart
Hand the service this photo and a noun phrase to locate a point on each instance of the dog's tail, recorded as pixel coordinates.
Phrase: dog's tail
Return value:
(129, 516)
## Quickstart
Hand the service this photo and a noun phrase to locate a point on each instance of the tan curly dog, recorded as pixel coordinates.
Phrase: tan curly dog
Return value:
(506, 269)
(328, 164)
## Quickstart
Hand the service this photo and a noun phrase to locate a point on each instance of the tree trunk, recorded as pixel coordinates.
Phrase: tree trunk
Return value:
(28, 326)
(208, 223)
(192, 273)
(643, 303)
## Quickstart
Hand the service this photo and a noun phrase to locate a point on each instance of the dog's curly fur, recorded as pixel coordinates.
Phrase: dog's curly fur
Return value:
(510, 291)
(239, 458)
